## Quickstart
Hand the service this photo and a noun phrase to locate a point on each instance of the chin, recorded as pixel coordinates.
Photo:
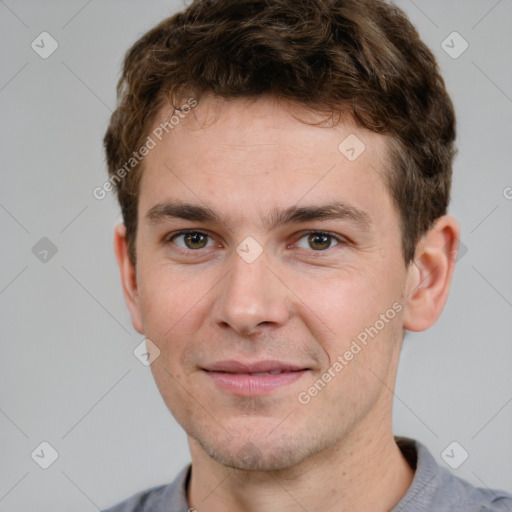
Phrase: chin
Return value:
(259, 453)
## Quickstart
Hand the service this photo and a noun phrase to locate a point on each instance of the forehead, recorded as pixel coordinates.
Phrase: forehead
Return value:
(258, 155)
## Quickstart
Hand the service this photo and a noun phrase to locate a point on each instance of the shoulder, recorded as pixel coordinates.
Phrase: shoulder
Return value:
(435, 488)
(162, 498)
(468, 498)
(142, 501)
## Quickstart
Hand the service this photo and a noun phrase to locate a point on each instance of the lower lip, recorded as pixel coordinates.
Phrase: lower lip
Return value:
(243, 384)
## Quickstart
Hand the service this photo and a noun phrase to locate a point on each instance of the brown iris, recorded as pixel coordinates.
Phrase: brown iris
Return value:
(319, 241)
(195, 240)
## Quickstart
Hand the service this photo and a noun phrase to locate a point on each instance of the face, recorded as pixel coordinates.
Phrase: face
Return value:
(264, 255)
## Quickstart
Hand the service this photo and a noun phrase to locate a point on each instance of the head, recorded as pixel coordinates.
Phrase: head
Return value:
(306, 150)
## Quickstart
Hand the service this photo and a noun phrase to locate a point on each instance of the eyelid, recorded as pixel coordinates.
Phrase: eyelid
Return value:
(339, 238)
(171, 236)
(174, 234)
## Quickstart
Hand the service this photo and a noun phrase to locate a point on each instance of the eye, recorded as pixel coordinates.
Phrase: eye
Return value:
(191, 240)
(318, 241)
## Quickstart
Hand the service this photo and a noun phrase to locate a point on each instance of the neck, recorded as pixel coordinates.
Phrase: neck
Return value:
(365, 471)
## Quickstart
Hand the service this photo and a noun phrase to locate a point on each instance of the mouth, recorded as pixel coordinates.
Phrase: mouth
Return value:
(253, 379)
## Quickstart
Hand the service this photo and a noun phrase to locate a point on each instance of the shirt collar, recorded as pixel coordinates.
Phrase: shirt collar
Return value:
(426, 477)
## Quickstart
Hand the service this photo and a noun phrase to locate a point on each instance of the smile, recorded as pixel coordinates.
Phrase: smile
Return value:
(253, 379)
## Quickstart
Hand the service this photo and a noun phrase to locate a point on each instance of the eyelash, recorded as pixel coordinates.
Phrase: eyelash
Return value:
(190, 252)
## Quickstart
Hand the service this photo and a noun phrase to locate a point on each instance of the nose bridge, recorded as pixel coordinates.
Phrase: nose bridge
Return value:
(250, 295)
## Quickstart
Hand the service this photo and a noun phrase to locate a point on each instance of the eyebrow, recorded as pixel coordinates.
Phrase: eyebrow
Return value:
(278, 216)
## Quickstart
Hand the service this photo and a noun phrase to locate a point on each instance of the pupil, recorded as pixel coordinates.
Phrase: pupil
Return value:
(195, 239)
(318, 239)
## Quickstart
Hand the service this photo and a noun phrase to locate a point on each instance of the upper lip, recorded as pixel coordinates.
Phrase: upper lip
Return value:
(254, 367)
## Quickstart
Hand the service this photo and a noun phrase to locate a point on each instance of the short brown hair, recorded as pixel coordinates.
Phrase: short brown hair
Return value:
(361, 58)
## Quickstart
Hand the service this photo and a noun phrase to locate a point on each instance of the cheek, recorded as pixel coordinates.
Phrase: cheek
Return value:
(170, 306)
(166, 294)
(342, 300)
(172, 386)
(346, 312)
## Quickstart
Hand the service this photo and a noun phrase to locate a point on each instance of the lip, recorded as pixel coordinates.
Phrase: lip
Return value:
(239, 378)
(254, 367)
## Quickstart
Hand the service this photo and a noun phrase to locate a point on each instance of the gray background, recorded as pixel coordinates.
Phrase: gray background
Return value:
(68, 374)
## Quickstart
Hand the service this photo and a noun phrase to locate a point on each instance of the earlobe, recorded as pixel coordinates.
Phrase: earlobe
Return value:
(128, 277)
(430, 275)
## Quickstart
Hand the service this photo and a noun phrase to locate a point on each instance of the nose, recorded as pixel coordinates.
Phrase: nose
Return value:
(251, 297)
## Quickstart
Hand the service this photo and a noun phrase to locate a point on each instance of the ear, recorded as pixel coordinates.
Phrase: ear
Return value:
(430, 275)
(128, 277)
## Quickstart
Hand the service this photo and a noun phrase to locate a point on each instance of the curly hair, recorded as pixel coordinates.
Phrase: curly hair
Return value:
(357, 58)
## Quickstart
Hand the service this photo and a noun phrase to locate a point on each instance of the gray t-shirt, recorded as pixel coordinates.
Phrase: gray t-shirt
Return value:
(433, 489)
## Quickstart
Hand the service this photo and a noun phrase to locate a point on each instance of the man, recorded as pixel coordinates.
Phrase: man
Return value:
(283, 169)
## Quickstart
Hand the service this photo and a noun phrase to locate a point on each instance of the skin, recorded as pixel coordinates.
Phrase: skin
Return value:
(302, 301)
